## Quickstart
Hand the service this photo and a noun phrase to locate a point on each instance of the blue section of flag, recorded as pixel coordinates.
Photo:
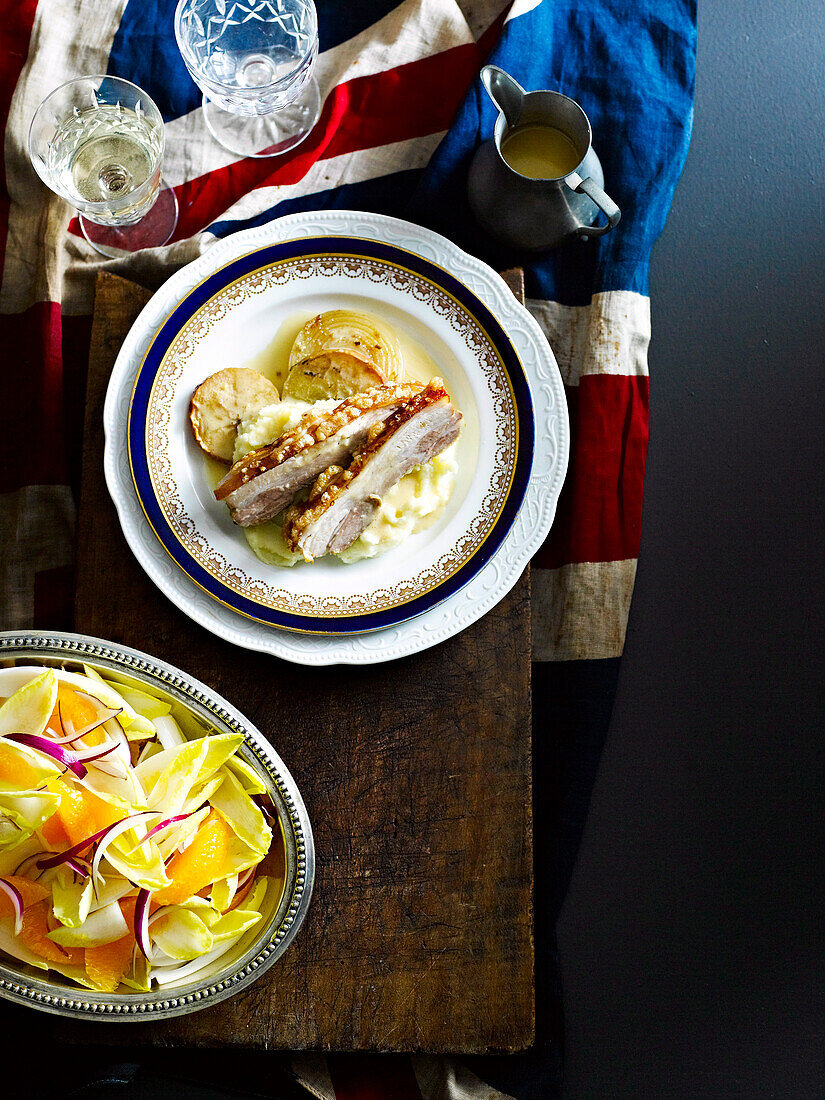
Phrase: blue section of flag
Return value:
(145, 50)
(384, 195)
(631, 66)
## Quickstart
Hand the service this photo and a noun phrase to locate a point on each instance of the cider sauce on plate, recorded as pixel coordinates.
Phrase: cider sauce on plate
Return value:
(273, 360)
(540, 152)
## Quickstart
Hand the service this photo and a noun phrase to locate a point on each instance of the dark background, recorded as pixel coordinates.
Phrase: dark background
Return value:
(692, 937)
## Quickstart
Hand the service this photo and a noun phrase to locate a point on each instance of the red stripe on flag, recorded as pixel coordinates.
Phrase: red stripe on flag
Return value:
(42, 390)
(76, 338)
(491, 36)
(31, 393)
(15, 34)
(377, 1077)
(409, 101)
(599, 516)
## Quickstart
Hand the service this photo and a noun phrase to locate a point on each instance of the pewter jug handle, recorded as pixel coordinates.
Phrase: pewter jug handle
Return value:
(604, 202)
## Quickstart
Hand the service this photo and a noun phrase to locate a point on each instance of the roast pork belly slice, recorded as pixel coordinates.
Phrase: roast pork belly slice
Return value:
(265, 481)
(344, 502)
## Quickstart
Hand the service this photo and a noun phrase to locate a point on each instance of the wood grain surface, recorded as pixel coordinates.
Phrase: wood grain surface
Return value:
(417, 779)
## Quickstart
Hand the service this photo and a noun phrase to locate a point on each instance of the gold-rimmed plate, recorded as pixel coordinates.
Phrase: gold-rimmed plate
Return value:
(226, 311)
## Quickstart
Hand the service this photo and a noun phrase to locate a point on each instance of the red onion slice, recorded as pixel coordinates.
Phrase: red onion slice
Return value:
(16, 899)
(78, 866)
(25, 865)
(112, 833)
(124, 757)
(111, 772)
(110, 712)
(49, 748)
(164, 825)
(75, 850)
(142, 922)
(96, 752)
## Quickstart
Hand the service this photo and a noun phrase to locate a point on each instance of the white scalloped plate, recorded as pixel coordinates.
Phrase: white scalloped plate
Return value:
(463, 607)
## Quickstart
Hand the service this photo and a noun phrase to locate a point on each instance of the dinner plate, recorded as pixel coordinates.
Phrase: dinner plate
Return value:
(501, 374)
(232, 316)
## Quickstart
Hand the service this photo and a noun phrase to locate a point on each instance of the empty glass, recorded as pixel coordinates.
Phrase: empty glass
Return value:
(253, 61)
(98, 143)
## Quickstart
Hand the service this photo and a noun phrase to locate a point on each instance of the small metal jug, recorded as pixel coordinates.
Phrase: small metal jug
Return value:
(525, 212)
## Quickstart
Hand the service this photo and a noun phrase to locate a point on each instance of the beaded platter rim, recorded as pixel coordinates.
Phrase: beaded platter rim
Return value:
(64, 1000)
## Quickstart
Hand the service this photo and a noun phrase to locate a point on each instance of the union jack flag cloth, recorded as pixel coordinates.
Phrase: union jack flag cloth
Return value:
(403, 112)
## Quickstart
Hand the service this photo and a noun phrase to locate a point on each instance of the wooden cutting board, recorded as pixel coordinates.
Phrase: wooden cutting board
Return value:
(417, 779)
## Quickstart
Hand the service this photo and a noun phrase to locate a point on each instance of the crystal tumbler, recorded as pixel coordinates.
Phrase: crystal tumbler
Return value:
(253, 61)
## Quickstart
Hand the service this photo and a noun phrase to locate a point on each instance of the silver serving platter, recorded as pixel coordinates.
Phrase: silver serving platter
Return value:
(22, 984)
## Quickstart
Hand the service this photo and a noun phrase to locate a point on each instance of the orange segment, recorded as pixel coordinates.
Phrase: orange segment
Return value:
(199, 864)
(34, 935)
(30, 892)
(54, 834)
(16, 771)
(106, 965)
(127, 908)
(81, 813)
(77, 710)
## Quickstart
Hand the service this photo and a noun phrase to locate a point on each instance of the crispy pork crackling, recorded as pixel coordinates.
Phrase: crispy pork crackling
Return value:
(343, 502)
(265, 481)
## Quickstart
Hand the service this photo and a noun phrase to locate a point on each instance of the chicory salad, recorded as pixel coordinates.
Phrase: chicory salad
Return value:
(133, 842)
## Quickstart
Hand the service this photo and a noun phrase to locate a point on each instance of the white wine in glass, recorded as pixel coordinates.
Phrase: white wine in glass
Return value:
(98, 143)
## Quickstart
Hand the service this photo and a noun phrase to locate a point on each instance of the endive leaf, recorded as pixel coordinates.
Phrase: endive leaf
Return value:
(142, 865)
(104, 925)
(234, 924)
(181, 934)
(248, 776)
(204, 909)
(27, 810)
(241, 814)
(171, 775)
(146, 705)
(72, 898)
(223, 892)
(29, 709)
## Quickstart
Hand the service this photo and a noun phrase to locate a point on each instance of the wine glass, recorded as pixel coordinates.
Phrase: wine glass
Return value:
(97, 142)
(253, 61)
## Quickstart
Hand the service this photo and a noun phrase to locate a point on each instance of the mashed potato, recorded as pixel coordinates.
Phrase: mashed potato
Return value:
(410, 506)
